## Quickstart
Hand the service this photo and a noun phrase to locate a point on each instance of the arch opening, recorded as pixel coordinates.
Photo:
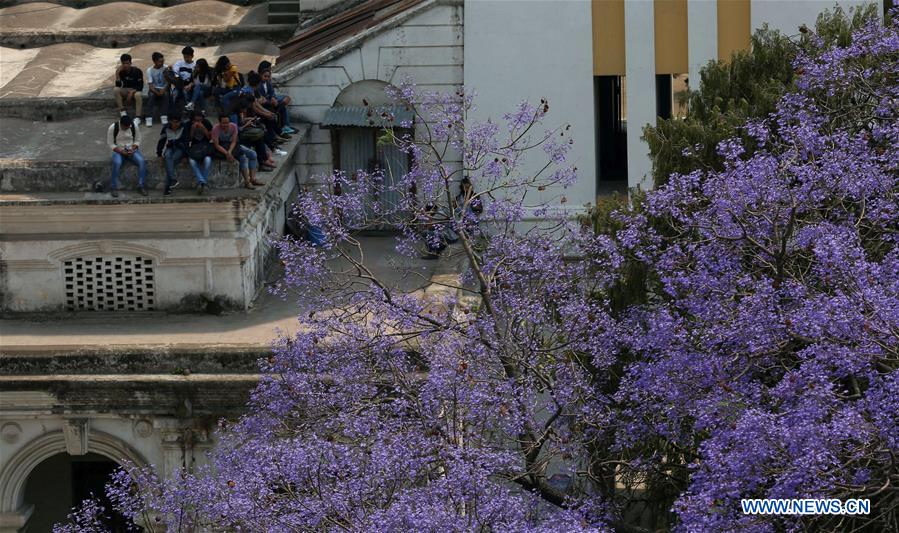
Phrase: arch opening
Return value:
(63, 481)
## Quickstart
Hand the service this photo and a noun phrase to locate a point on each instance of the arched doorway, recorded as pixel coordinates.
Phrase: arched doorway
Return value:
(63, 481)
(357, 125)
(16, 512)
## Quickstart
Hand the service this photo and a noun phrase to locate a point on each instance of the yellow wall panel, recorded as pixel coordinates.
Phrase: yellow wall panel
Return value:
(734, 30)
(608, 37)
(671, 36)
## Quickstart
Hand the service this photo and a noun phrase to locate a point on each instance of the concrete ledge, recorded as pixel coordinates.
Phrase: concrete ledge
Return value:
(79, 176)
(178, 395)
(49, 109)
(116, 38)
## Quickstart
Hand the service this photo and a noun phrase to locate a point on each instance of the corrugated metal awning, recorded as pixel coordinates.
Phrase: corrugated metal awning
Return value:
(368, 117)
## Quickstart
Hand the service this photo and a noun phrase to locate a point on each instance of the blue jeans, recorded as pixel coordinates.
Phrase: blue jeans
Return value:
(225, 96)
(202, 174)
(247, 158)
(135, 159)
(282, 111)
(157, 105)
(172, 157)
(200, 94)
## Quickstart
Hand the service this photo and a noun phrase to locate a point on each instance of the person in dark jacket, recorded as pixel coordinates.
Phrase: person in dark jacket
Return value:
(273, 100)
(200, 152)
(173, 142)
(129, 85)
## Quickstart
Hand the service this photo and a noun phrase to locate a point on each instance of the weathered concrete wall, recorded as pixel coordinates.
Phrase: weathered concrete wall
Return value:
(427, 47)
(46, 176)
(202, 248)
(147, 419)
(523, 50)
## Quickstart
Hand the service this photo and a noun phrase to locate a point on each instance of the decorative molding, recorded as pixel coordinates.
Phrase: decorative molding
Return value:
(104, 248)
(13, 521)
(76, 432)
(20, 265)
(143, 428)
(18, 400)
(10, 432)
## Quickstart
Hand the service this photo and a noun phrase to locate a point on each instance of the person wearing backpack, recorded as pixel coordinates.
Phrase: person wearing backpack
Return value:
(123, 138)
(172, 148)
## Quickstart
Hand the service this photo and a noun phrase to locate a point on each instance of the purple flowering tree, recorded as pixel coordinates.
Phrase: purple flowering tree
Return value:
(461, 406)
(768, 358)
(508, 395)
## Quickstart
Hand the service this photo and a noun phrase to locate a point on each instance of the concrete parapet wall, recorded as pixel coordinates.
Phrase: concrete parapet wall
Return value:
(80, 176)
(213, 248)
(48, 109)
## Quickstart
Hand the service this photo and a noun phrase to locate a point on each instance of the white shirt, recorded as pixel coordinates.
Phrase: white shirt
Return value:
(184, 69)
(124, 138)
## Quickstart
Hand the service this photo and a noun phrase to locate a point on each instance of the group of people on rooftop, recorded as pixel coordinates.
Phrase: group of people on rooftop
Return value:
(252, 119)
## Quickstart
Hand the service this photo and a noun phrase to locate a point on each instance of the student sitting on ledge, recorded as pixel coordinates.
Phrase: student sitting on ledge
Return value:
(123, 138)
(129, 85)
(157, 90)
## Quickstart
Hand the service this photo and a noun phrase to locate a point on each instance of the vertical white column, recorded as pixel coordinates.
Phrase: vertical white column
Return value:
(702, 36)
(640, 60)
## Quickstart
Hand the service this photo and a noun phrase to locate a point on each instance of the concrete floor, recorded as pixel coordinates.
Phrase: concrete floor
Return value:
(71, 332)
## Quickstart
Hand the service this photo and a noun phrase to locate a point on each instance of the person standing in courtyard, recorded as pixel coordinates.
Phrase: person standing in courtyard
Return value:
(124, 138)
(129, 86)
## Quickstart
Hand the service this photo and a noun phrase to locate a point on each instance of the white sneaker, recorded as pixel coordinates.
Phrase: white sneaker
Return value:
(122, 113)
(278, 151)
(189, 106)
(164, 119)
(136, 121)
(149, 122)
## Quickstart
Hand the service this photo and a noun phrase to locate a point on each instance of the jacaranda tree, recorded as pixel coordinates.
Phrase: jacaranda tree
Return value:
(511, 397)
(768, 363)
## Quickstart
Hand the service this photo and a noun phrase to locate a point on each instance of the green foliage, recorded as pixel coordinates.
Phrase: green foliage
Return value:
(746, 86)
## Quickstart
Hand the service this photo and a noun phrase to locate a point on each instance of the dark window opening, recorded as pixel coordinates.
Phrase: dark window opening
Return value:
(611, 134)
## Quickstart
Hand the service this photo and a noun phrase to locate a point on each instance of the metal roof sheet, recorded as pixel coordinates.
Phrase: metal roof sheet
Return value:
(340, 27)
(368, 117)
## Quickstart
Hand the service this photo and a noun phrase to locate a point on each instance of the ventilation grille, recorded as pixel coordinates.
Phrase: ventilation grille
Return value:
(109, 283)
